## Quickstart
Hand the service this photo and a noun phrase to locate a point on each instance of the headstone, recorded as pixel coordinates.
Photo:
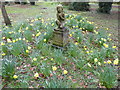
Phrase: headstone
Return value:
(60, 34)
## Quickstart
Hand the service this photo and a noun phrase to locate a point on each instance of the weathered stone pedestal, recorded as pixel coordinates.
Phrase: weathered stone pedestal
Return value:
(60, 38)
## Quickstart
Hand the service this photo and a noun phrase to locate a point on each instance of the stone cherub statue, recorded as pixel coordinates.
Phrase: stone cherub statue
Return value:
(60, 17)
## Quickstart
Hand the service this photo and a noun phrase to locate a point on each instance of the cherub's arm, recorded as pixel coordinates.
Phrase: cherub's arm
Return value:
(62, 16)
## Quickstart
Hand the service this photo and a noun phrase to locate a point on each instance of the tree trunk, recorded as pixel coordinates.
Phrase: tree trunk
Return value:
(5, 15)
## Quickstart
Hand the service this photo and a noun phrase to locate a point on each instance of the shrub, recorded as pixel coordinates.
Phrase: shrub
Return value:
(79, 6)
(105, 7)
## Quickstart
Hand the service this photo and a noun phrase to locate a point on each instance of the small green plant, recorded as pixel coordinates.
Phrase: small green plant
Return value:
(107, 76)
(8, 68)
(54, 82)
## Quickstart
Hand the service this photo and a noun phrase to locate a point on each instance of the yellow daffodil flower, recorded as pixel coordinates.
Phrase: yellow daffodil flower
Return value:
(113, 46)
(29, 47)
(26, 28)
(27, 51)
(109, 62)
(116, 61)
(3, 37)
(51, 58)
(87, 52)
(15, 76)
(8, 40)
(95, 60)
(76, 43)
(89, 64)
(36, 75)
(34, 59)
(65, 72)
(2, 43)
(3, 54)
(99, 63)
(70, 35)
(38, 34)
(54, 68)
(105, 45)
(44, 40)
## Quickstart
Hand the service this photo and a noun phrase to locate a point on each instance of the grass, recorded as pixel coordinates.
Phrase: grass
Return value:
(84, 65)
(19, 13)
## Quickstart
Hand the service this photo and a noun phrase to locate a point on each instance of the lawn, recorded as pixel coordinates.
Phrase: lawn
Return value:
(29, 60)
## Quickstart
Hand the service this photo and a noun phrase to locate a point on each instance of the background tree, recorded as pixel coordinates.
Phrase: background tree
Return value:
(32, 2)
(105, 7)
(4, 14)
(79, 6)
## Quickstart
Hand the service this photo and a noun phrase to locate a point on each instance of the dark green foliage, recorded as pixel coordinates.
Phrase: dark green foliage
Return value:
(105, 7)
(79, 6)
(8, 68)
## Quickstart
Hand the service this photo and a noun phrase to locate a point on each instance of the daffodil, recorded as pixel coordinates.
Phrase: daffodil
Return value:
(27, 51)
(29, 47)
(54, 68)
(13, 41)
(91, 51)
(31, 25)
(8, 40)
(16, 39)
(24, 39)
(20, 39)
(109, 62)
(32, 20)
(26, 28)
(76, 43)
(34, 59)
(104, 39)
(27, 41)
(116, 61)
(105, 62)
(51, 58)
(2, 43)
(33, 35)
(70, 35)
(95, 60)
(105, 45)
(65, 72)
(96, 32)
(87, 52)
(107, 29)
(45, 33)
(3, 54)
(9, 32)
(44, 40)
(89, 64)
(99, 63)
(36, 75)
(113, 46)
(42, 57)
(109, 34)
(15, 76)
(3, 37)
(38, 34)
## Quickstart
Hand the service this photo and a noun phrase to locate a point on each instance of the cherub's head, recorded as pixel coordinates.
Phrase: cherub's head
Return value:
(59, 8)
